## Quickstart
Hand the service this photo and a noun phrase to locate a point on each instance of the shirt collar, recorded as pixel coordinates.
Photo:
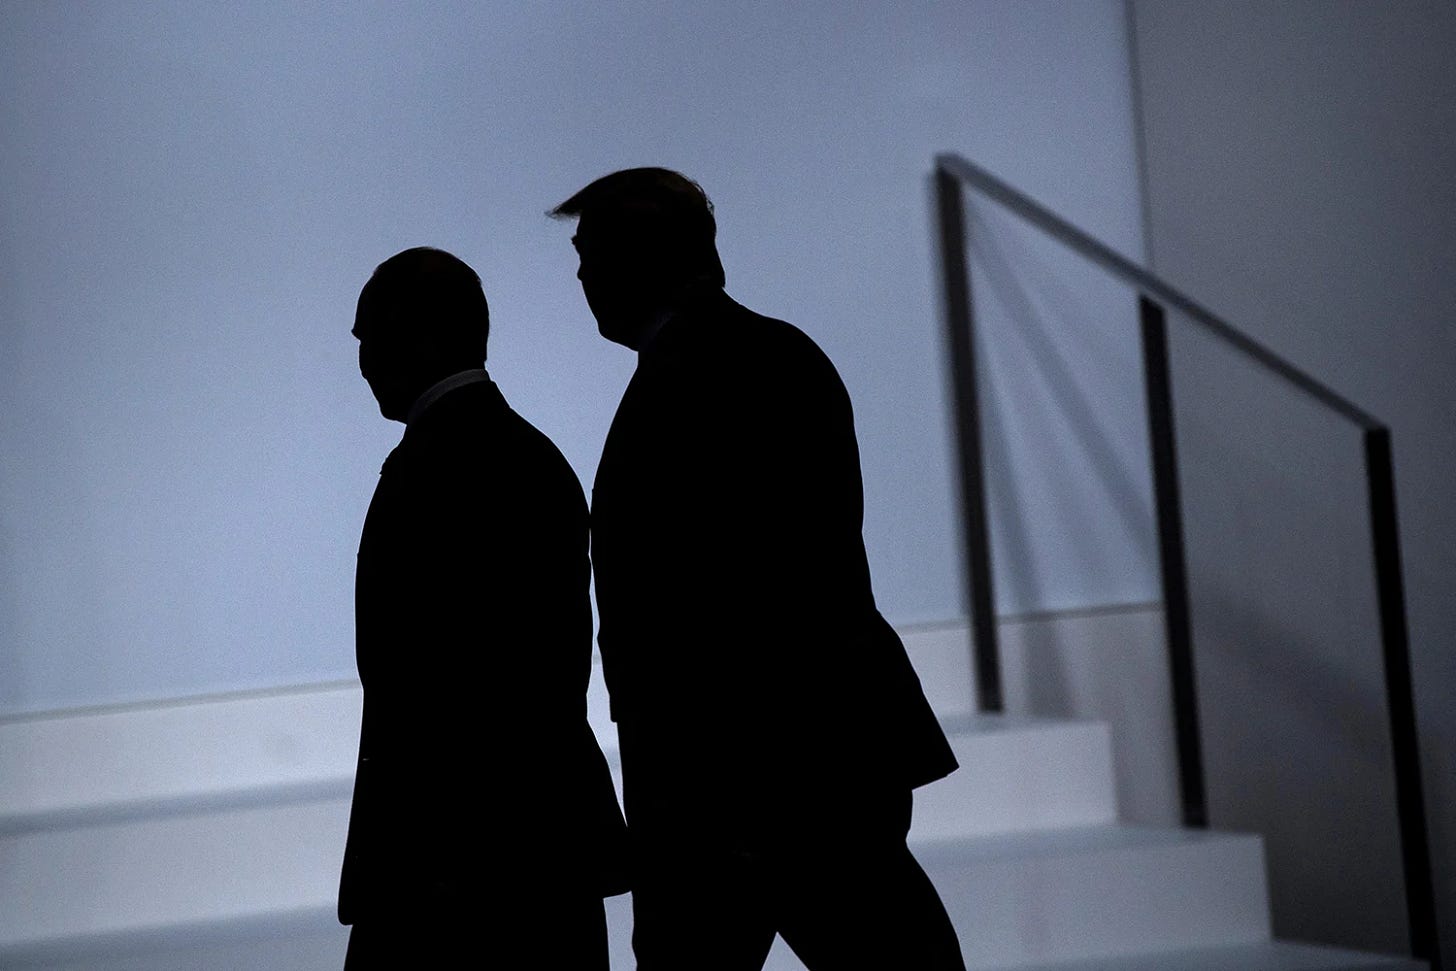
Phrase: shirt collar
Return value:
(439, 389)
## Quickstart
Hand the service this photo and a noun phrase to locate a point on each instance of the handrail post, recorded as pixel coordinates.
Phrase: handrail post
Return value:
(1176, 612)
(960, 323)
(1394, 637)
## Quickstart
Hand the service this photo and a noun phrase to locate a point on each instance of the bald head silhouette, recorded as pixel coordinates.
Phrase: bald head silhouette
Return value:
(421, 317)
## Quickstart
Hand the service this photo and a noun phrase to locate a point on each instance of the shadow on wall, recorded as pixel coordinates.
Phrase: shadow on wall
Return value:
(1063, 424)
(1296, 751)
(1014, 277)
(1292, 691)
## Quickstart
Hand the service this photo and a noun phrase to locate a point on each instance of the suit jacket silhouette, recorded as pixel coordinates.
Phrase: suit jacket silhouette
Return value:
(477, 768)
(754, 682)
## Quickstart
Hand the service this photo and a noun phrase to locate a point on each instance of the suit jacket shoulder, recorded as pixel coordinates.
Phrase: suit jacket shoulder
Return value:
(731, 569)
(473, 639)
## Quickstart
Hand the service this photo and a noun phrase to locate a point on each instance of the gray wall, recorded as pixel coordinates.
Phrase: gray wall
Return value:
(1298, 180)
(195, 193)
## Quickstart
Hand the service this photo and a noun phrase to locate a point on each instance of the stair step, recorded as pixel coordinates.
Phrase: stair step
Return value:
(1099, 892)
(1108, 892)
(316, 943)
(187, 755)
(1019, 774)
(174, 871)
(308, 941)
(1014, 898)
(1267, 956)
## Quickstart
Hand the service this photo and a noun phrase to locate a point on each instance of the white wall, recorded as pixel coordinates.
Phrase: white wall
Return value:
(195, 193)
(1299, 162)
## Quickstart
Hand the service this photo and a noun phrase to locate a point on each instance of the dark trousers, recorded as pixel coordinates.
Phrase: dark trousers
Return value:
(569, 934)
(847, 895)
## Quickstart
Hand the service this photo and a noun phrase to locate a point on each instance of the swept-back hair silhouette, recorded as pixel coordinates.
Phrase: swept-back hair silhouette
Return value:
(667, 216)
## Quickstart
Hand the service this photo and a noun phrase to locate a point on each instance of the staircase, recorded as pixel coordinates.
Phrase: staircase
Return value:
(207, 834)
(1025, 847)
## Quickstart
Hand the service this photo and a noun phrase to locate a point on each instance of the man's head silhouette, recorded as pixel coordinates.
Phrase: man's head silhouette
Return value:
(421, 318)
(644, 236)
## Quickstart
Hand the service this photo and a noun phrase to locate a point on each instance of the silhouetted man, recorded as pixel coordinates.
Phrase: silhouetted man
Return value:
(484, 830)
(771, 725)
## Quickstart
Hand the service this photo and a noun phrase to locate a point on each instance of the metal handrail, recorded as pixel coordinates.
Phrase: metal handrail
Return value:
(1147, 282)
(952, 172)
